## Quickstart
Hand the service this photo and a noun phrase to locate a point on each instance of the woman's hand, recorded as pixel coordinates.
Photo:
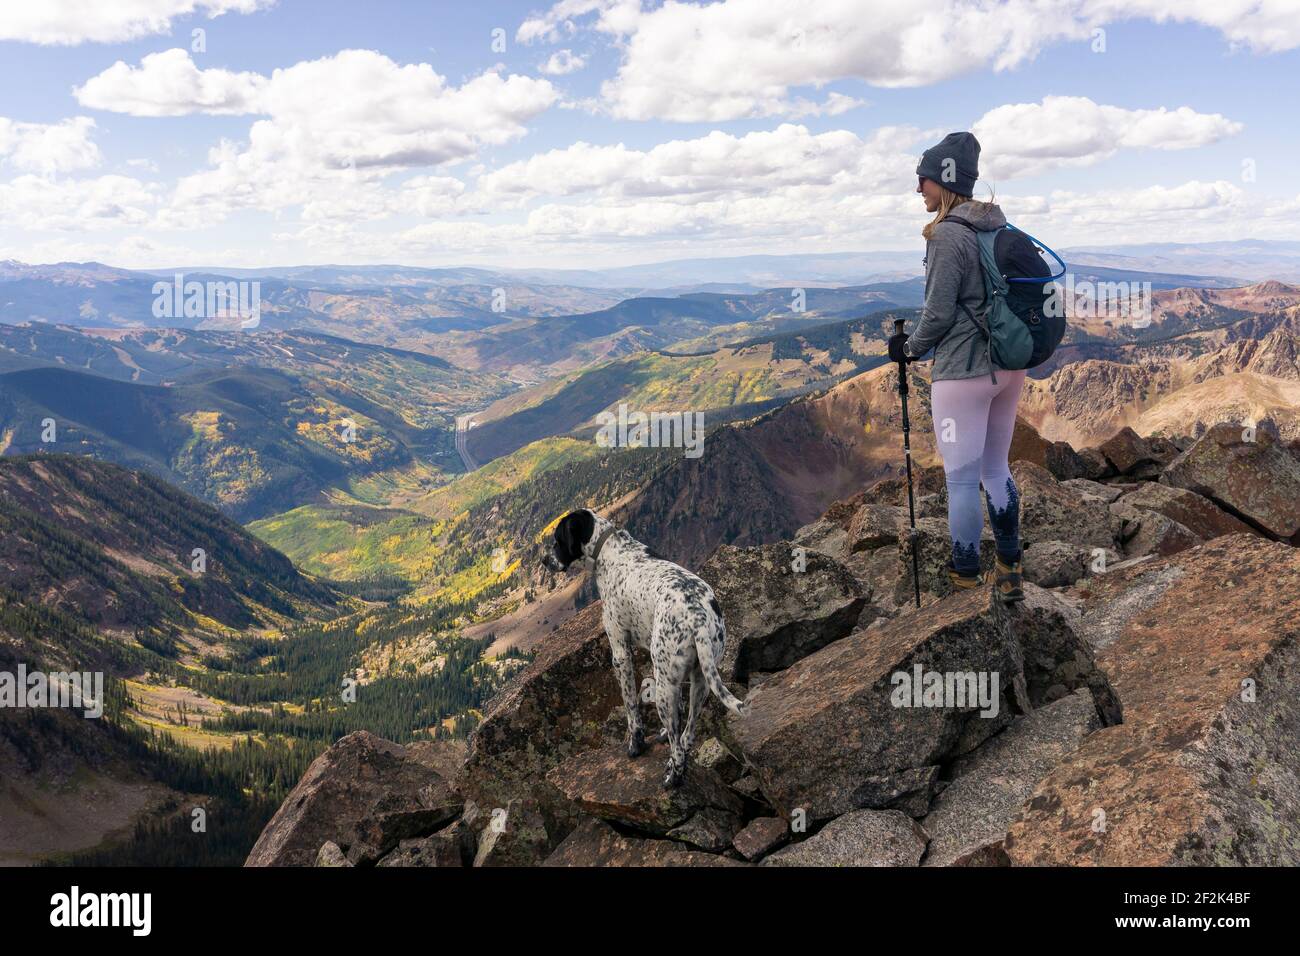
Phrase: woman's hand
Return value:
(897, 352)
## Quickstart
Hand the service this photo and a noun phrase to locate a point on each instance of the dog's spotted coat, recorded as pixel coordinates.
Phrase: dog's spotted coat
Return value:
(660, 606)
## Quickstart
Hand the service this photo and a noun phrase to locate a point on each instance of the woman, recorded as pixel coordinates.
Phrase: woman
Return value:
(973, 405)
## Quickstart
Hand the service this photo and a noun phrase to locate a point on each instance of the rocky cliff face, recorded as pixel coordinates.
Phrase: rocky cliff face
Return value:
(1243, 373)
(1140, 706)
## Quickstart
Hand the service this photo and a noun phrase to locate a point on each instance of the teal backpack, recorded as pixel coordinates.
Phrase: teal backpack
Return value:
(1020, 330)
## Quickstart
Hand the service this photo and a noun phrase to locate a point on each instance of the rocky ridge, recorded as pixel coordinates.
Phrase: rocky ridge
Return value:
(1139, 708)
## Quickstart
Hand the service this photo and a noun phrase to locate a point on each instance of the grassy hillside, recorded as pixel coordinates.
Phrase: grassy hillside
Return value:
(117, 547)
(752, 372)
(250, 440)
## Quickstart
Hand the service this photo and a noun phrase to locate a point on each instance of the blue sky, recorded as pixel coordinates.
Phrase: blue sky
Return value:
(744, 126)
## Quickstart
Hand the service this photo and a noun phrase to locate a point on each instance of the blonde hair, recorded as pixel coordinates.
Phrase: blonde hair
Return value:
(948, 201)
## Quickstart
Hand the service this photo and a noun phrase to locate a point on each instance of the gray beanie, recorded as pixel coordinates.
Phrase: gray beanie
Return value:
(953, 164)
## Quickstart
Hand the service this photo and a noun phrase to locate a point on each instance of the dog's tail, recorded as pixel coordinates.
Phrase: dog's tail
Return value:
(704, 651)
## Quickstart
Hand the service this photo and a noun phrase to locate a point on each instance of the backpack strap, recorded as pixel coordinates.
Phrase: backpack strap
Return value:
(987, 333)
(985, 252)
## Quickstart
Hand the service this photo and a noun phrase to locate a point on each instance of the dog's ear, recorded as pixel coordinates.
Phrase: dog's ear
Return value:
(572, 533)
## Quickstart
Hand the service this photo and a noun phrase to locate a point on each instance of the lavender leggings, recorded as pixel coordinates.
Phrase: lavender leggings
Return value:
(973, 423)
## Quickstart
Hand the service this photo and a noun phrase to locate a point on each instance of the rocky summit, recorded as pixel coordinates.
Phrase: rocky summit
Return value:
(1139, 707)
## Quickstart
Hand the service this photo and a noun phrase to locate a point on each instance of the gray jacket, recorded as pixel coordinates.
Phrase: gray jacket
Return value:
(953, 279)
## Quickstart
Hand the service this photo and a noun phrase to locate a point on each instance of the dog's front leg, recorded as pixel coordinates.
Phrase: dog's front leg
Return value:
(625, 671)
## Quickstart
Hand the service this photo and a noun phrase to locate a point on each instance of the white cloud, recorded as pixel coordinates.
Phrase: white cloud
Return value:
(347, 150)
(561, 63)
(559, 234)
(371, 112)
(70, 22)
(334, 127)
(169, 84)
(43, 204)
(1264, 26)
(49, 147)
(1169, 207)
(1032, 138)
(718, 165)
(784, 182)
(558, 21)
(836, 217)
(742, 58)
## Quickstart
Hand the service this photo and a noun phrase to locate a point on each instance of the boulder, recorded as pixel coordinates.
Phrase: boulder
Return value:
(1095, 465)
(331, 855)
(1086, 487)
(1051, 511)
(1256, 480)
(1150, 532)
(761, 836)
(969, 819)
(841, 512)
(605, 783)
(779, 605)
(594, 843)
(975, 733)
(933, 552)
(1198, 514)
(515, 835)
(859, 838)
(712, 754)
(1027, 444)
(564, 702)
(875, 526)
(878, 572)
(825, 735)
(828, 537)
(1204, 770)
(1064, 462)
(364, 794)
(1058, 659)
(708, 829)
(1053, 564)
(450, 847)
(445, 756)
(747, 786)
(1126, 450)
(1164, 449)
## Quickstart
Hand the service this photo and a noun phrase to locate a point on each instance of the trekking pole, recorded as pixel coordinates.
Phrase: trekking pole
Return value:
(907, 457)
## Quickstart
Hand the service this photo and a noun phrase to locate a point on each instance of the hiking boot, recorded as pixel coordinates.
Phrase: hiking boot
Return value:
(963, 582)
(1006, 580)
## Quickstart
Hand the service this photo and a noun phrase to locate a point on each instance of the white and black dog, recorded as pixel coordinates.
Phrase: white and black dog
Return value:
(658, 605)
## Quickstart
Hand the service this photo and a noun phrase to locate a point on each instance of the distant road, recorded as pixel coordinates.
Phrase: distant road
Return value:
(669, 354)
(462, 445)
